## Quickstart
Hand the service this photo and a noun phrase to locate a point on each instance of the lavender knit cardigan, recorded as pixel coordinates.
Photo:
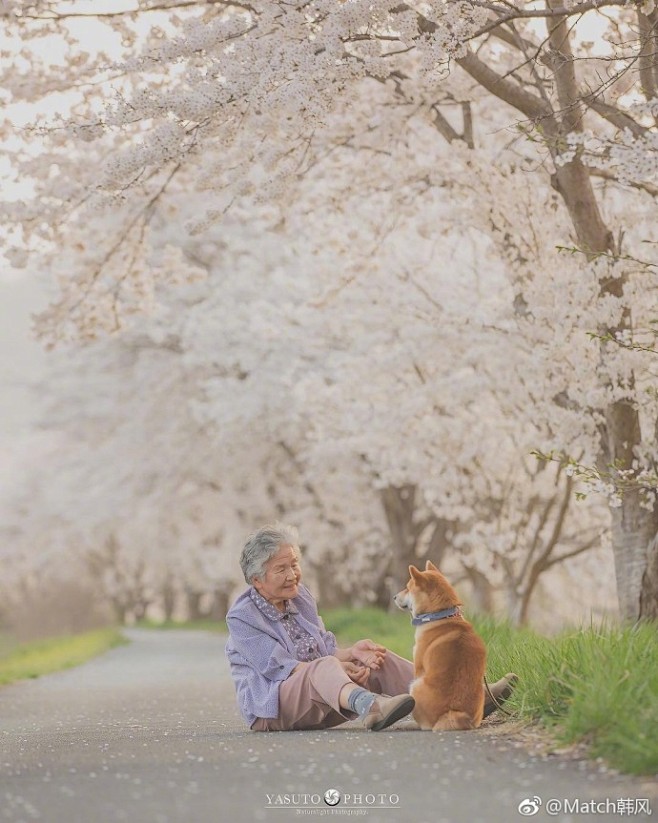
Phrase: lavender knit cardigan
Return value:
(262, 655)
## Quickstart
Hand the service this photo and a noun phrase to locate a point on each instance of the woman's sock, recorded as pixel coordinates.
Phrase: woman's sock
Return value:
(360, 700)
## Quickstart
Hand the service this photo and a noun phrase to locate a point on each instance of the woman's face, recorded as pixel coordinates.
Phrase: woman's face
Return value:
(282, 576)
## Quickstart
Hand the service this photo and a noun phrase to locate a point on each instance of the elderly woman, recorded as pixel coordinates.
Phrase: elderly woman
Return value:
(288, 672)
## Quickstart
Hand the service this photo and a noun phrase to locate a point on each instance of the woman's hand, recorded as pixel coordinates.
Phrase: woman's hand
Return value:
(368, 653)
(356, 672)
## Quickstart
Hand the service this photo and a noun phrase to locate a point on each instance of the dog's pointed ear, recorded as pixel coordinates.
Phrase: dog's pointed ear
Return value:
(415, 573)
(430, 567)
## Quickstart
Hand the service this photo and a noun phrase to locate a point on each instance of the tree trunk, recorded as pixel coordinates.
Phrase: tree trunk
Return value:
(194, 604)
(219, 606)
(168, 600)
(409, 534)
(383, 594)
(482, 592)
(120, 611)
(633, 527)
(631, 535)
(330, 594)
(649, 590)
(399, 507)
(514, 605)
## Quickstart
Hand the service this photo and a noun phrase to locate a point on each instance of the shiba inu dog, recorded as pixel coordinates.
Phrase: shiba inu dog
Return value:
(449, 657)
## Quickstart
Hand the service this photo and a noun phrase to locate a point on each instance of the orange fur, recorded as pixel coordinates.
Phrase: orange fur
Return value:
(449, 657)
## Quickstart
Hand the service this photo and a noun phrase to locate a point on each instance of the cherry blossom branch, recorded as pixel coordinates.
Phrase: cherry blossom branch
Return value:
(619, 341)
(529, 104)
(612, 114)
(606, 174)
(132, 12)
(140, 217)
(505, 15)
(613, 480)
(560, 558)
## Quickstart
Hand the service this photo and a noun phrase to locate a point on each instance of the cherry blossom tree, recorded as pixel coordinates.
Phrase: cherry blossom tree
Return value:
(237, 399)
(163, 469)
(552, 134)
(384, 369)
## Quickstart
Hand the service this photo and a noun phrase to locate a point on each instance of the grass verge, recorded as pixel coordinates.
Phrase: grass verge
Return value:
(29, 660)
(597, 685)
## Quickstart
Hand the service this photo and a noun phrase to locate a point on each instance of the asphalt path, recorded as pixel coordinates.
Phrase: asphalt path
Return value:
(150, 733)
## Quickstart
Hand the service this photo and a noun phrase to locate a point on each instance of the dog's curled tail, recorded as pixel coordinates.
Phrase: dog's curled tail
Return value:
(454, 721)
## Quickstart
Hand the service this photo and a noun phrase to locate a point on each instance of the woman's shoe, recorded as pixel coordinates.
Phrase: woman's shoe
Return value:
(388, 710)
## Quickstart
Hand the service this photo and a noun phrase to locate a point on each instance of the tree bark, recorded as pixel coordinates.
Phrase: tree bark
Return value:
(193, 598)
(408, 532)
(636, 559)
(140, 608)
(649, 590)
(220, 598)
(633, 527)
(168, 600)
(482, 590)
(330, 594)
(120, 611)
(399, 507)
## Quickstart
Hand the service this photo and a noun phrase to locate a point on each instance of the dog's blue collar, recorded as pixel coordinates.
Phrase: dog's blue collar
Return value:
(428, 617)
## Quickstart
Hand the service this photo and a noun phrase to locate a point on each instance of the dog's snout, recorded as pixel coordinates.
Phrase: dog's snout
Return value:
(400, 600)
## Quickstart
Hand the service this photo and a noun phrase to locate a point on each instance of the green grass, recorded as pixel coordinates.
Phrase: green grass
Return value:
(598, 686)
(391, 629)
(595, 685)
(29, 660)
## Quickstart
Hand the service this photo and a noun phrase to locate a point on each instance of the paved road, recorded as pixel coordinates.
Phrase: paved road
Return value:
(149, 733)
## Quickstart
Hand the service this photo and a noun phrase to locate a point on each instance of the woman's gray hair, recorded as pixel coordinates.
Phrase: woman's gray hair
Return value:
(264, 544)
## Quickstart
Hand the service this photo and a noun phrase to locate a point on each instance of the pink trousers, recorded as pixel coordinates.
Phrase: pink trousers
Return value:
(308, 699)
